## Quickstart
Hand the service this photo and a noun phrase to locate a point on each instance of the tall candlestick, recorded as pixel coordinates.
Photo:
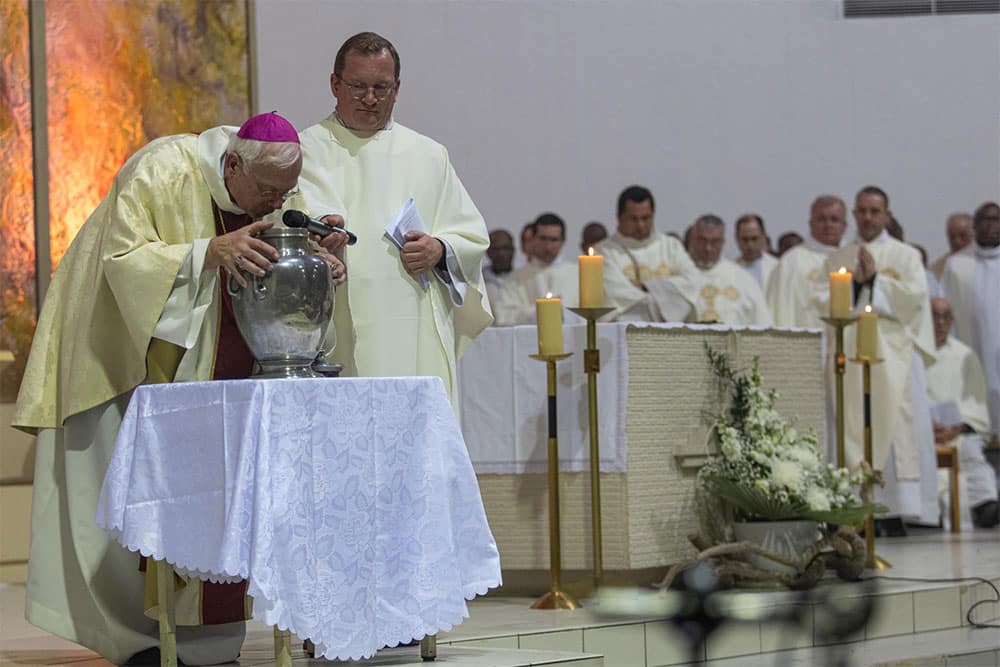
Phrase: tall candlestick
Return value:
(591, 280)
(549, 313)
(841, 288)
(867, 333)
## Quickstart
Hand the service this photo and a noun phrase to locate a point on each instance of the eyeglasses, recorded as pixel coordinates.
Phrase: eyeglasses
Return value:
(360, 90)
(271, 195)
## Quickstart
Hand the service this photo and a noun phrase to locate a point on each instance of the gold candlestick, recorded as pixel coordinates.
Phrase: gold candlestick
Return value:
(872, 560)
(840, 367)
(556, 598)
(592, 366)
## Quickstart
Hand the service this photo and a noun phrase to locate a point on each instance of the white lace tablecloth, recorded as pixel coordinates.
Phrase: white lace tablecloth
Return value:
(349, 504)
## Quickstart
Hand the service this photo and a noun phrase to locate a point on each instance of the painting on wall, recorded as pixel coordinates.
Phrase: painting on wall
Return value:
(120, 73)
(17, 227)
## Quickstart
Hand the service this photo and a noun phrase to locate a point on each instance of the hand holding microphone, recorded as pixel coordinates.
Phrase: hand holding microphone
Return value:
(300, 220)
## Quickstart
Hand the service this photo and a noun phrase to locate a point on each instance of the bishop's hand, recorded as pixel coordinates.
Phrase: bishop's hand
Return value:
(241, 250)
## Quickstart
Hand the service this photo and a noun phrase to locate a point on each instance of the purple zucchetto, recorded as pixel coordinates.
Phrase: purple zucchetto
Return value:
(268, 127)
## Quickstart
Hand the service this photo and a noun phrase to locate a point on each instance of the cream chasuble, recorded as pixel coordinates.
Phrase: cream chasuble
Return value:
(133, 274)
(516, 302)
(791, 290)
(629, 263)
(730, 295)
(761, 268)
(389, 324)
(904, 328)
(971, 282)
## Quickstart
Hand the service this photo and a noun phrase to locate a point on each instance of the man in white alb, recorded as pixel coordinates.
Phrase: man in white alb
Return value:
(546, 275)
(790, 292)
(728, 293)
(958, 229)
(410, 310)
(888, 275)
(971, 281)
(755, 256)
(648, 275)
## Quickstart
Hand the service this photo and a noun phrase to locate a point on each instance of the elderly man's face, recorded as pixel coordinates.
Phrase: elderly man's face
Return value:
(871, 214)
(959, 232)
(827, 224)
(259, 190)
(751, 239)
(366, 90)
(987, 226)
(501, 251)
(942, 318)
(636, 221)
(549, 241)
(706, 245)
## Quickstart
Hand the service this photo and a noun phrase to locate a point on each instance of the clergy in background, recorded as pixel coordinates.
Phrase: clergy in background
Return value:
(971, 281)
(955, 380)
(405, 311)
(501, 258)
(138, 298)
(593, 233)
(728, 293)
(800, 271)
(648, 275)
(889, 275)
(958, 229)
(753, 242)
(546, 275)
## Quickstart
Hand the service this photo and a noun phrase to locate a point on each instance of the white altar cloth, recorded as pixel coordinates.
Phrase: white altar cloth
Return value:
(504, 401)
(350, 505)
(503, 397)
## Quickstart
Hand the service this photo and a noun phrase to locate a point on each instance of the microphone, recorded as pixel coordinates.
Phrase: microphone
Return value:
(299, 219)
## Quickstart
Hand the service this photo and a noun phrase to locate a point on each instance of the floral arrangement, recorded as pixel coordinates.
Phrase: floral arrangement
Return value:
(766, 468)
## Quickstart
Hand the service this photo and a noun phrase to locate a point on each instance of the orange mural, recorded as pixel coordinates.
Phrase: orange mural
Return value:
(120, 73)
(124, 72)
(17, 231)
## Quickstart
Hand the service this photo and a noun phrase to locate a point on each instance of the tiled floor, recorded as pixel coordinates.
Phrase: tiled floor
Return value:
(914, 623)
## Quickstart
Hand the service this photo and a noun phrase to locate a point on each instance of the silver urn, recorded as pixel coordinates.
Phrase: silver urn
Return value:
(284, 314)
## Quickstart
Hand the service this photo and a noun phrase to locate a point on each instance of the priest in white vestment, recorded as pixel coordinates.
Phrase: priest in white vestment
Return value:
(137, 299)
(728, 293)
(889, 275)
(956, 388)
(753, 242)
(546, 275)
(501, 258)
(410, 310)
(958, 229)
(792, 289)
(648, 276)
(971, 281)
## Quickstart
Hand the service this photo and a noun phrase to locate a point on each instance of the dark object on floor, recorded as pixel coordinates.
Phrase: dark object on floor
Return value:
(150, 656)
(890, 527)
(986, 515)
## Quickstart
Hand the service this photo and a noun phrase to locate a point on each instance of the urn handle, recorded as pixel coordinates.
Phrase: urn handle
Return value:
(232, 286)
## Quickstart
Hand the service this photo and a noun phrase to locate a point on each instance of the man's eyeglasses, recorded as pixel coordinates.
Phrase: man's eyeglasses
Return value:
(359, 90)
(271, 195)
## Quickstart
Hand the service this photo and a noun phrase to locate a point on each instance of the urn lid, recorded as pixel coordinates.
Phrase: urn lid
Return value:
(284, 233)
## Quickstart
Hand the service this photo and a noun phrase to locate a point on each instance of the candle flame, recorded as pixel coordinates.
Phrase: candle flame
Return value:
(590, 251)
(548, 295)
(842, 270)
(868, 308)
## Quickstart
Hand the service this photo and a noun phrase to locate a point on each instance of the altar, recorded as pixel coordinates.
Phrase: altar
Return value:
(656, 394)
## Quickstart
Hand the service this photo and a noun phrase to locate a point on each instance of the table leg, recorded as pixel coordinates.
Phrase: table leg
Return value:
(166, 614)
(956, 511)
(282, 648)
(429, 648)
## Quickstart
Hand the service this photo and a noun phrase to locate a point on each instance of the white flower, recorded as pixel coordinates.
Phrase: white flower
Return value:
(786, 474)
(818, 499)
(762, 485)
